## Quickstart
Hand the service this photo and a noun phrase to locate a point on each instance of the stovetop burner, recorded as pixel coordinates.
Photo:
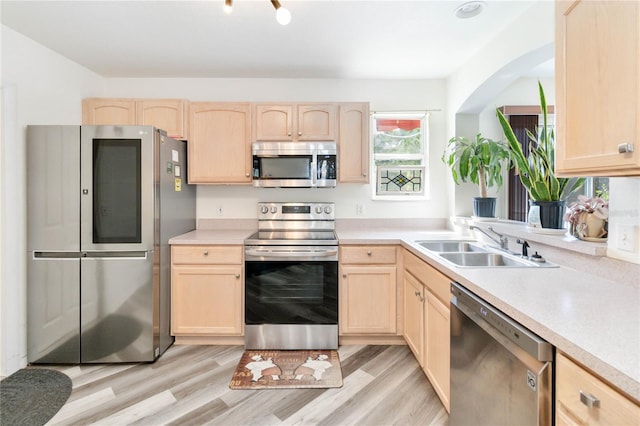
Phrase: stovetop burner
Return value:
(294, 224)
(291, 238)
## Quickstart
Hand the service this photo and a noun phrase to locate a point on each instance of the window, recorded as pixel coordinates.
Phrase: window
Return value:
(400, 144)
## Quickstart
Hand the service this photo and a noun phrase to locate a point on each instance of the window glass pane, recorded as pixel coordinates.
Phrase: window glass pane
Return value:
(398, 140)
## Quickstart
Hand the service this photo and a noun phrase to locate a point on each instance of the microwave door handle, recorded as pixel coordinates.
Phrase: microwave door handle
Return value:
(314, 171)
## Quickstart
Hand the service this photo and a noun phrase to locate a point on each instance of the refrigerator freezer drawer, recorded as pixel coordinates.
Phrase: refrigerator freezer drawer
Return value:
(118, 320)
(54, 309)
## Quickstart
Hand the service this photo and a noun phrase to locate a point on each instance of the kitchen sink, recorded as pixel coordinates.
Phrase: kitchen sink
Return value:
(488, 260)
(451, 246)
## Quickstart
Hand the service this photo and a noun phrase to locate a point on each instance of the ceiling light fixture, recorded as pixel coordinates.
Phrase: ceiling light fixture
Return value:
(283, 16)
(470, 9)
(228, 8)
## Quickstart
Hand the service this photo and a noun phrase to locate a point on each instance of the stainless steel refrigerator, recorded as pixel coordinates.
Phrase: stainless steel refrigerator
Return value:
(102, 203)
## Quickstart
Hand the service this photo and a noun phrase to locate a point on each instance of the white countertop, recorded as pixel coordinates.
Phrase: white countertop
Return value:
(594, 320)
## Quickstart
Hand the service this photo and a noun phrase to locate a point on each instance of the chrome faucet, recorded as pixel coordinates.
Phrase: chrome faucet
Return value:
(502, 241)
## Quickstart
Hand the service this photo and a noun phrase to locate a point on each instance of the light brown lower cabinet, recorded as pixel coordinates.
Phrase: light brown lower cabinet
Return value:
(426, 322)
(367, 290)
(584, 399)
(207, 291)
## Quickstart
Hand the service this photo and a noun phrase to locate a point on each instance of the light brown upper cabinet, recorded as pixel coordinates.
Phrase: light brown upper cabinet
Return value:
(353, 142)
(169, 115)
(598, 88)
(295, 122)
(220, 142)
(106, 111)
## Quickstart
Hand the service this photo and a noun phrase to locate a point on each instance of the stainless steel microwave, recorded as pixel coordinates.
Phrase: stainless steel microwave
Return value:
(294, 164)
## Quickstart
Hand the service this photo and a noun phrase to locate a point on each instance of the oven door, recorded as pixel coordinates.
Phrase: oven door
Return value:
(285, 285)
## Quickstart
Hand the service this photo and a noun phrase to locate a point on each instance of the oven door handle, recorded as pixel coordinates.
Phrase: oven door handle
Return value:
(263, 254)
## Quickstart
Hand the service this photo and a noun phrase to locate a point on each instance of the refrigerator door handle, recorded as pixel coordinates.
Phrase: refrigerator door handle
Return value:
(56, 254)
(115, 254)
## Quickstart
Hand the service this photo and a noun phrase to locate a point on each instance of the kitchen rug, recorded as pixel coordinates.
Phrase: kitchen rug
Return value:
(32, 396)
(268, 369)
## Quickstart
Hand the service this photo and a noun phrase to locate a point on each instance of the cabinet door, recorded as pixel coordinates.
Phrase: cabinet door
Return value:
(316, 122)
(437, 346)
(207, 300)
(169, 115)
(220, 142)
(353, 142)
(572, 381)
(368, 300)
(274, 122)
(414, 316)
(103, 111)
(597, 87)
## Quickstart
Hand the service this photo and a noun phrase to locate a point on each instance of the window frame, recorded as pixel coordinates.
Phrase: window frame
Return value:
(423, 117)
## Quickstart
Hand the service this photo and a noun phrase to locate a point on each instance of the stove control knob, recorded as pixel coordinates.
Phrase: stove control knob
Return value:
(264, 209)
(327, 209)
(319, 209)
(274, 209)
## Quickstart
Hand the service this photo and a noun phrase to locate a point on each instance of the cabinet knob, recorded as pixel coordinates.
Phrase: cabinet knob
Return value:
(364, 174)
(344, 275)
(288, 133)
(417, 293)
(625, 148)
(237, 275)
(589, 400)
(299, 133)
(247, 174)
(206, 253)
(368, 253)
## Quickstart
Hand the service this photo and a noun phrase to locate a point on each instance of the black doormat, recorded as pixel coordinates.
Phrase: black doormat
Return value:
(32, 396)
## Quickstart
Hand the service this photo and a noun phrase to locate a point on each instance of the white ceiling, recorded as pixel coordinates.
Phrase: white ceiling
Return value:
(393, 39)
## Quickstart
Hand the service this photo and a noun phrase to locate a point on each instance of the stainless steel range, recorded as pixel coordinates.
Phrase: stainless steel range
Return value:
(291, 278)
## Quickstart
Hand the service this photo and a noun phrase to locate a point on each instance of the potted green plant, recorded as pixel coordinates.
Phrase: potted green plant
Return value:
(537, 170)
(481, 161)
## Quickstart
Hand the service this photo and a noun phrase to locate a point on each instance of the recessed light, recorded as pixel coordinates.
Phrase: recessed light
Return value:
(470, 9)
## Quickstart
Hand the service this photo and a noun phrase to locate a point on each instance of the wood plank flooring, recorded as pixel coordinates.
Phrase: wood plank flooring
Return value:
(189, 385)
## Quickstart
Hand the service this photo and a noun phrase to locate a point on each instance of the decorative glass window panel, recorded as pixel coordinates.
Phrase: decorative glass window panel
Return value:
(399, 154)
(399, 180)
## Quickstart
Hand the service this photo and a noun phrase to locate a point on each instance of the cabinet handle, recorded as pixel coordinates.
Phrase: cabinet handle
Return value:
(625, 148)
(589, 400)
(206, 253)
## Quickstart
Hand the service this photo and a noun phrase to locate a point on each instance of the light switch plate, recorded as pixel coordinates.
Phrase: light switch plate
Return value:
(626, 238)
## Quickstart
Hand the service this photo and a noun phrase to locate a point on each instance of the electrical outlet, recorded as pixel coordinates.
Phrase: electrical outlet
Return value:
(219, 211)
(626, 237)
(359, 209)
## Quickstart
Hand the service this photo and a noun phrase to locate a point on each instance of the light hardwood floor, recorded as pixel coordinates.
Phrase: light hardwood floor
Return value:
(189, 385)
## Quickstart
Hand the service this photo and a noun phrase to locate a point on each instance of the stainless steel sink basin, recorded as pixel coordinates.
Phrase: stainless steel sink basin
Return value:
(487, 260)
(451, 246)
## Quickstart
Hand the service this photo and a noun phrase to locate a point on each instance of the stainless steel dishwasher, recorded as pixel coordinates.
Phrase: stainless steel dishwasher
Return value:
(501, 373)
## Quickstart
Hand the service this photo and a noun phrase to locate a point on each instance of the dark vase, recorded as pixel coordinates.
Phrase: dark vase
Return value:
(484, 207)
(551, 213)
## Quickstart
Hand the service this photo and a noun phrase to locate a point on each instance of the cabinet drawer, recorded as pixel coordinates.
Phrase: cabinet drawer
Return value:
(206, 255)
(614, 408)
(368, 254)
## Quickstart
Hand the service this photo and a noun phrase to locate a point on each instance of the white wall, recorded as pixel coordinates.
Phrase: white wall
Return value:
(382, 95)
(38, 87)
